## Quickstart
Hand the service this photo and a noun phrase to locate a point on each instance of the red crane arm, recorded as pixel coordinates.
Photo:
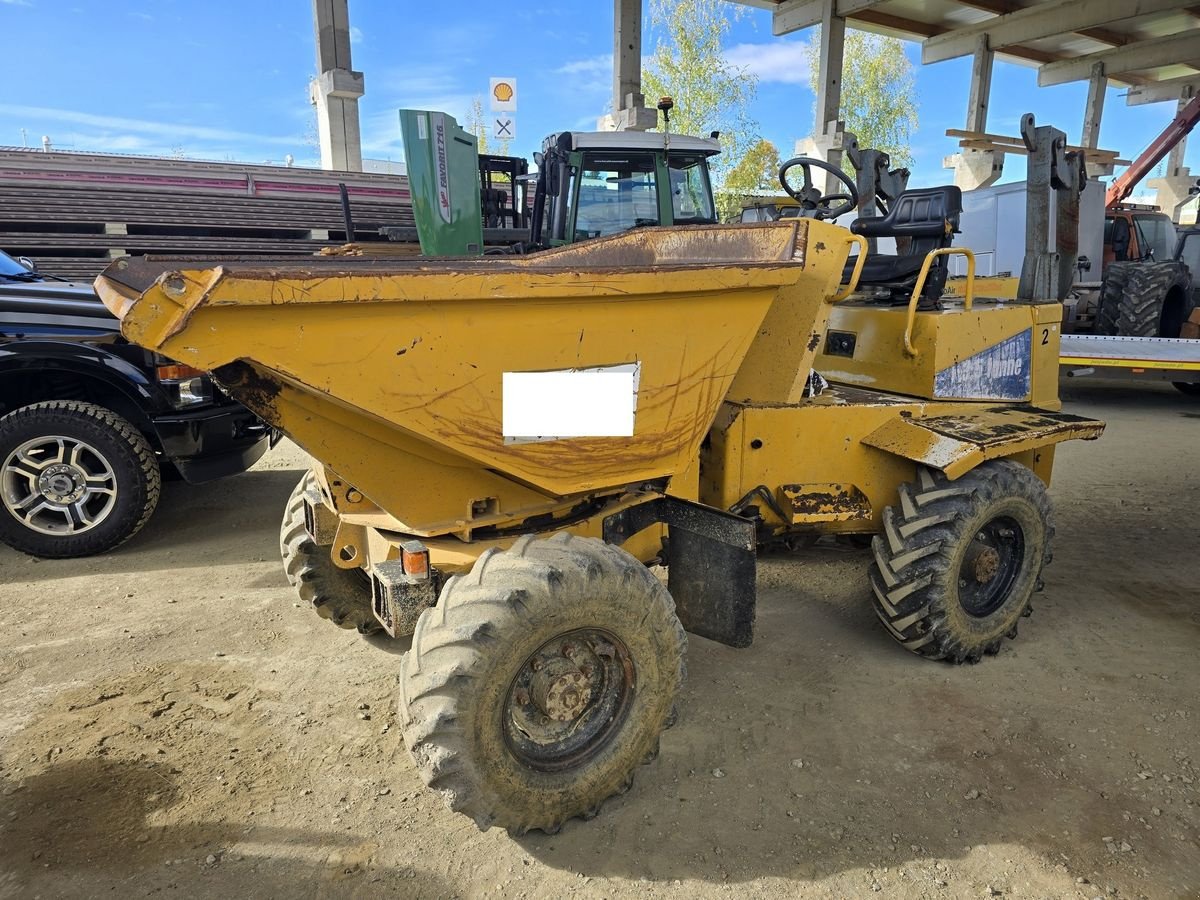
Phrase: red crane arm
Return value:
(1183, 122)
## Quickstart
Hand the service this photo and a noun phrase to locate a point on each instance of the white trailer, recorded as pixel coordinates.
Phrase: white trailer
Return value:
(993, 226)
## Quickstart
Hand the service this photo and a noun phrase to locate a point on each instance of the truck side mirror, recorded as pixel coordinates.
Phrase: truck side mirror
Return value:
(27, 263)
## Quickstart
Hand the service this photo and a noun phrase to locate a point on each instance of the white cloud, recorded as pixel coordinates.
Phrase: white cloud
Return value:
(783, 62)
(437, 87)
(356, 35)
(119, 143)
(592, 74)
(16, 2)
(407, 84)
(592, 65)
(172, 131)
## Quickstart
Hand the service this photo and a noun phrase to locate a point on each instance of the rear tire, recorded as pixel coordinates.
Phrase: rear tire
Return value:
(76, 479)
(508, 749)
(341, 595)
(1190, 388)
(1111, 289)
(1138, 309)
(957, 562)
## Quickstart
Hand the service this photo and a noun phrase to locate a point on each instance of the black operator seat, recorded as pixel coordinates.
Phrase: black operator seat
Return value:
(921, 220)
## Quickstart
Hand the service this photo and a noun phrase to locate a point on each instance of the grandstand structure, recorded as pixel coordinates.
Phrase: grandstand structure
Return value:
(73, 212)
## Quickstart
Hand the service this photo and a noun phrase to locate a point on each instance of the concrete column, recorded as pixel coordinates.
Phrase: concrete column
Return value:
(981, 86)
(1178, 185)
(629, 105)
(336, 89)
(978, 168)
(975, 168)
(827, 129)
(1094, 109)
(1175, 157)
(1173, 193)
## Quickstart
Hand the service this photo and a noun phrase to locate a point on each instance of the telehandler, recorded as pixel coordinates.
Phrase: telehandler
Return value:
(506, 444)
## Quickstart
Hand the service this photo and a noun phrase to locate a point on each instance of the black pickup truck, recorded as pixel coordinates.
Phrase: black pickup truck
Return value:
(89, 423)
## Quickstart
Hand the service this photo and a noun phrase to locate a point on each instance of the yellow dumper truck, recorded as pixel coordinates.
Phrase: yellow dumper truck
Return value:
(505, 446)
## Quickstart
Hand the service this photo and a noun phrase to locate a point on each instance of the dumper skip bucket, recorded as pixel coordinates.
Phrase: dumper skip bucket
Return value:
(572, 371)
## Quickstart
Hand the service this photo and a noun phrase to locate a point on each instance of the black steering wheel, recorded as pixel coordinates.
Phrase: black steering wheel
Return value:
(814, 204)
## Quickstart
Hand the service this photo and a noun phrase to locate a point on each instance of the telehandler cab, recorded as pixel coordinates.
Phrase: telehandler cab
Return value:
(504, 445)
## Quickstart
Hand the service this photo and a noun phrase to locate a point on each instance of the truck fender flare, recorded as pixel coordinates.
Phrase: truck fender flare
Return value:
(32, 357)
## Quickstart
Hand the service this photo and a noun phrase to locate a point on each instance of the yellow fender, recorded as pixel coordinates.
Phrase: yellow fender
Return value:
(958, 443)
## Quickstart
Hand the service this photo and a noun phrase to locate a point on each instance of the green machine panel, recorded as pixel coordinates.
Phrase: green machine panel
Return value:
(443, 179)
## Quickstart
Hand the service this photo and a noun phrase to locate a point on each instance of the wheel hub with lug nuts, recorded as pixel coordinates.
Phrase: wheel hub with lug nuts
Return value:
(62, 483)
(987, 564)
(561, 690)
(567, 698)
(990, 566)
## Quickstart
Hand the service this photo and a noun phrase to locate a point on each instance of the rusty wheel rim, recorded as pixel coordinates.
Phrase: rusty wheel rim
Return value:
(991, 566)
(568, 699)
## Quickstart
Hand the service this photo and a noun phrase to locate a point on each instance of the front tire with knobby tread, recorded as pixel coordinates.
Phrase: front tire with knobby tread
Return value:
(927, 553)
(341, 595)
(456, 683)
(135, 471)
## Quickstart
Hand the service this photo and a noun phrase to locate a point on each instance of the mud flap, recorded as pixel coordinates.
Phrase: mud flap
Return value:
(711, 567)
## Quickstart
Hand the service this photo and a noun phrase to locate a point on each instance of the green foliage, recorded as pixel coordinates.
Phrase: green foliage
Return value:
(756, 173)
(879, 94)
(477, 125)
(689, 66)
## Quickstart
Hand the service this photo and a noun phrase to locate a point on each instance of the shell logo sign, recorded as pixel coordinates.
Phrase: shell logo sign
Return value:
(503, 93)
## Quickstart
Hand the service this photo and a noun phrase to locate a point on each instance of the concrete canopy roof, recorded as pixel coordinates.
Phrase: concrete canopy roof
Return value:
(1152, 46)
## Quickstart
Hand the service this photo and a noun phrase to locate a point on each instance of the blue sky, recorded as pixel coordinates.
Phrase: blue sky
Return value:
(225, 80)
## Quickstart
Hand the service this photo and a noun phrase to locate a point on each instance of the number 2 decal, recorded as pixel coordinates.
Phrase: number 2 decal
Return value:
(1045, 336)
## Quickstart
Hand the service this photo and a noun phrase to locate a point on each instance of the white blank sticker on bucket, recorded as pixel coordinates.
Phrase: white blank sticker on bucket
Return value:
(543, 406)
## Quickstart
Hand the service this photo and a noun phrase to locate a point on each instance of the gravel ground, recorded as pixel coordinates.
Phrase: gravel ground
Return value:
(172, 722)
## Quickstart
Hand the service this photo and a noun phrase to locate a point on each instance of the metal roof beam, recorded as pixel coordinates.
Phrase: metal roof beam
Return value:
(793, 15)
(1172, 89)
(1036, 22)
(1151, 54)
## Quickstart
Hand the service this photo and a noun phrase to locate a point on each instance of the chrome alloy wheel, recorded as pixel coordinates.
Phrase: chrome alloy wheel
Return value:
(58, 485)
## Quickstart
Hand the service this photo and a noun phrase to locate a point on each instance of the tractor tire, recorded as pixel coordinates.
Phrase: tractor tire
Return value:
(76, 479)
(540, 681)
(343, 596)
(958, 562)
(1112, 288)
(1142, 308)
